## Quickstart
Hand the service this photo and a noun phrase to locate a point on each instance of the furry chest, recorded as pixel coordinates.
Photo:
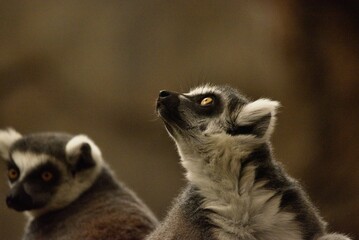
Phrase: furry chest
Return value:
(247, 210)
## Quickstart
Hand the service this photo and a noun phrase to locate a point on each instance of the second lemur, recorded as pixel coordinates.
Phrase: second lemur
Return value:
(236, 189)
(67, 190)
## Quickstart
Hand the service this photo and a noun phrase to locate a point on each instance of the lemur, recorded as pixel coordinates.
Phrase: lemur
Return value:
(236, 189)
(67, 190)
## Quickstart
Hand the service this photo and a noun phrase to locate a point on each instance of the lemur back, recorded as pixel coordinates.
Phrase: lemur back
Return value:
(67, 190)
(242, 193)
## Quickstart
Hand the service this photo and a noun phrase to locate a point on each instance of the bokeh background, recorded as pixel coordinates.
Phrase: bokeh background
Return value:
(96, 67)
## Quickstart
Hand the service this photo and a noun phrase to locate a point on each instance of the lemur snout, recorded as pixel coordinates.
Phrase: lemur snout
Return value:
(168, 99)
(19, 200)
(164, 94)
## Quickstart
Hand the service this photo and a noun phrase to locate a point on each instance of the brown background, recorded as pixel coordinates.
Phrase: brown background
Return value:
(96, 67)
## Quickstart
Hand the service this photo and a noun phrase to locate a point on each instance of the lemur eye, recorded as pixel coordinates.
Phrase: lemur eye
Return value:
(206, 101)
(13, 174)
(46, 176)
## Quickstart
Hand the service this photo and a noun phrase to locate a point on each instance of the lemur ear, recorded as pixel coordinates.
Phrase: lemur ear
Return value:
(7, 138)
(82, 153)
(256, 118)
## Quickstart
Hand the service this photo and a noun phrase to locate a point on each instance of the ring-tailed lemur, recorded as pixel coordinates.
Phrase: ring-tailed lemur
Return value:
(236, 190)
(68, 192)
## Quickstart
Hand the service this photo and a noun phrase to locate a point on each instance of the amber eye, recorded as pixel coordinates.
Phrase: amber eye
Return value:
(46, 176)
(206, 101)
(13, 174)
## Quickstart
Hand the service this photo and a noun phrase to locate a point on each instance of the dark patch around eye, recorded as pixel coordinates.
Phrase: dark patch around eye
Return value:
(35, 177)
(11, 165)
(209, 110)
(198, 98)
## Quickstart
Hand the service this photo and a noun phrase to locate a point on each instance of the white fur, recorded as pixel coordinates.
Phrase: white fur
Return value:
(242, 208)
(334, 236)
(7, 138)
(73, 147)
(256, 110)
(205, 89)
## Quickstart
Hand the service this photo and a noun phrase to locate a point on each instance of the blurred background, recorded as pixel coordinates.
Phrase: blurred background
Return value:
(96, 67)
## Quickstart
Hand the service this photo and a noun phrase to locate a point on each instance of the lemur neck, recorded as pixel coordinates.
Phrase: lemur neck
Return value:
(227, 166)
(227, 182)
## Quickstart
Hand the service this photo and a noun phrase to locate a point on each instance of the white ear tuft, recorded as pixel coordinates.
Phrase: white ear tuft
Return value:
(260, 115)
(7, 138)
(73, 147)
(257, 109)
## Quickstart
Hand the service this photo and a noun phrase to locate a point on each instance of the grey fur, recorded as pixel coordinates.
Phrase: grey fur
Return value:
(236, 189)
(108, 210)
(186, 220)
(93, 205)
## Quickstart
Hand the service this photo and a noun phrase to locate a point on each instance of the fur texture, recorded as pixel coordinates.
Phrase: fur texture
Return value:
(107, 210)
(63, 185)
(242, 192)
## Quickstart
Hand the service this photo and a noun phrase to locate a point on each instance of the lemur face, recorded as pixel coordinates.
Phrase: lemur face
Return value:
(210, 114)
(47, 171)
(204, 110)
(32, 188)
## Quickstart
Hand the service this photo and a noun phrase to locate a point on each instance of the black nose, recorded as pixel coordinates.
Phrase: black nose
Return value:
(164, 94)
(13, 201)
(168, 100)
(19, 200)
(9, 201)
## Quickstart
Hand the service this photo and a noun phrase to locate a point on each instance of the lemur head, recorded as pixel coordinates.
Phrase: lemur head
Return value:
(47, 171)
(211, 118)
